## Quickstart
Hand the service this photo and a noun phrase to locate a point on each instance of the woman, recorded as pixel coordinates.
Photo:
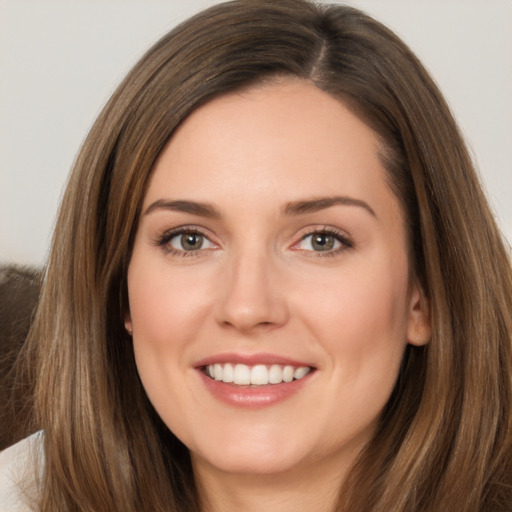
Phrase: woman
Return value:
(275, 283)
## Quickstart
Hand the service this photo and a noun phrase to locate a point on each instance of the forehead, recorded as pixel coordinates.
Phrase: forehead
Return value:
(267, 140)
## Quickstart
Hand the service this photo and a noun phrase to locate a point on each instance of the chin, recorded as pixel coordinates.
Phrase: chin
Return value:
(256, 458)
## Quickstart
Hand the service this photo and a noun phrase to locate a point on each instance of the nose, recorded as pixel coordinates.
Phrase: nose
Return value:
(253, 297)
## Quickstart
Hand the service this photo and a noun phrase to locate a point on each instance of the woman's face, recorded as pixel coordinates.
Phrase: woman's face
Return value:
(269, 286)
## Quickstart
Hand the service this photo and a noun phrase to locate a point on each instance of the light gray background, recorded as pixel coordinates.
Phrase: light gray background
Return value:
(60, 61)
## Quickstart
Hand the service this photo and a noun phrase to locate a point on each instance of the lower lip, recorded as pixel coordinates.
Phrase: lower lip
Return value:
(253, 397)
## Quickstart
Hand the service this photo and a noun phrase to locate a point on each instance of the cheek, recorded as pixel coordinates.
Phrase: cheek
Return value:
(360, 314)
(164, 304)
(165, 309)
(361, 324)
(168, 310)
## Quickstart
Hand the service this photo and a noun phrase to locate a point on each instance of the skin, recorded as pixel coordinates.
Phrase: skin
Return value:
(258, 285)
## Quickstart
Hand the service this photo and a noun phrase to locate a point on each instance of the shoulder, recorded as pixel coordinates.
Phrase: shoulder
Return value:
(19, 467)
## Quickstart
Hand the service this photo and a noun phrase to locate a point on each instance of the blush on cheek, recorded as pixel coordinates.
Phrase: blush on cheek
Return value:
(359, 309)
(167, 312)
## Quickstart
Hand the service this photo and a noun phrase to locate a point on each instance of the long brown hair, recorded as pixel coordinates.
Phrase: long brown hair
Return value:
(444, 442)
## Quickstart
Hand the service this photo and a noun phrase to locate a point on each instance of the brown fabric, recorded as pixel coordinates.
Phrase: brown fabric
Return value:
(19, 290)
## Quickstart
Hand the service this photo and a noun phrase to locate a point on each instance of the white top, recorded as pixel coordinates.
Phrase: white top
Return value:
(18, 469)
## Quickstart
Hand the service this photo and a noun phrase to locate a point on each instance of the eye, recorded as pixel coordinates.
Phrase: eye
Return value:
(189, 241)
(319, 242)
(184, 242)
(323, 241)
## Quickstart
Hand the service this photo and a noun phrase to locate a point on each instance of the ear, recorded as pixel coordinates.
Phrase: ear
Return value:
(419, 329)
(128, 323)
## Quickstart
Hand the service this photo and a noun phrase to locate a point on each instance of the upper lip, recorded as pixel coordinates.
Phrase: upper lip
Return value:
(250, 360)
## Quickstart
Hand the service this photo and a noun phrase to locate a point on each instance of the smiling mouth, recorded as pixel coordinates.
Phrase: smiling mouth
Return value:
(255, 375)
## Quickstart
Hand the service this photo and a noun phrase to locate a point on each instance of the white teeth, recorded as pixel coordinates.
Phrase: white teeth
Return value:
(288, 373)
(257, 375)
(242, 375)
(217, 372)
(300, 372)
(275, 374)
(228, 374)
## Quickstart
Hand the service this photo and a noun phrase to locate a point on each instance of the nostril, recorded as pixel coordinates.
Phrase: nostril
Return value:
(248, 323)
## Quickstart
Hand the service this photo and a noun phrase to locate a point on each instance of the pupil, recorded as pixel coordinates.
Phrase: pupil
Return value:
(323, 242)
(191, 241)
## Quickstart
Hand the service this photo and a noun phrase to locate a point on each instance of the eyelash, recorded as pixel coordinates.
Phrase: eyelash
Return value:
(345, 243)
(164, 241)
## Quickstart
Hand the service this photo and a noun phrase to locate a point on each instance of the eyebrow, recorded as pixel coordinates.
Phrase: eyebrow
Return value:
(293, 208)
(321, 203)
(193, 207)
